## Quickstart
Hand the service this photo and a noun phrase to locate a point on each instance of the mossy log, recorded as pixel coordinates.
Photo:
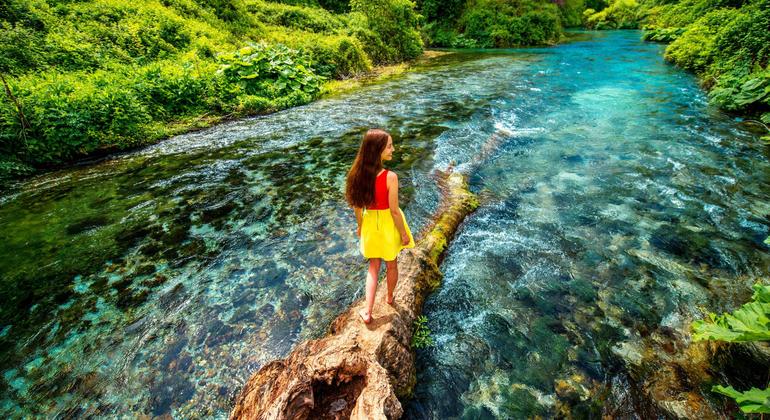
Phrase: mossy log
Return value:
(359, 371)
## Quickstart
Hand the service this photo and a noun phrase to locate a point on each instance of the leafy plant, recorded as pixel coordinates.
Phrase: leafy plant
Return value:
(270, 71)
(421, 337)
(752, 401)
(750, 322)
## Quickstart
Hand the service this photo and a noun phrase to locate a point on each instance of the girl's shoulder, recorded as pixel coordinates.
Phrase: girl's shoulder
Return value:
(392, 177)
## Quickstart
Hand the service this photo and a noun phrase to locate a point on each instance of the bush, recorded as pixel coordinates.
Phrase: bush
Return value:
(301, 18)
(726, 42)
(77, 114)
(496, 23)
(171, 89)
(396, 23)
(21, 49)
(270, 71)
(694, 49)
(620, 14)
(571, 13)
(337, 56)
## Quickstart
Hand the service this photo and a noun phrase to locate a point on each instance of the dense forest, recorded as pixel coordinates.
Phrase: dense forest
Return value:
(85, 77)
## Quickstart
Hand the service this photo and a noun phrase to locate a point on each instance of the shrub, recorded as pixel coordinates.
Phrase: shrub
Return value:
(301, 18)
(494, 23)
(620, 14)
(270, 71)
(77, 114)
(335, 56)
(694, 49)
(172, 89)
(571, 13)
(396, 23)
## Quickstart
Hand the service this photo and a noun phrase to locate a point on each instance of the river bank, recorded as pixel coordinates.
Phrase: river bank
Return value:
(191, 124)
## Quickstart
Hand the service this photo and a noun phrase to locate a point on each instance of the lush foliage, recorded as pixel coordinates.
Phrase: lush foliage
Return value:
(421, 337)
(391, 28)
(270, 72)
(619, 14)
(498, 23)
(85, 76)
(752, 401)
(750, 322)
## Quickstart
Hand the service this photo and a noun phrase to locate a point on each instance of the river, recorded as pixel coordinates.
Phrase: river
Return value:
(156, 282)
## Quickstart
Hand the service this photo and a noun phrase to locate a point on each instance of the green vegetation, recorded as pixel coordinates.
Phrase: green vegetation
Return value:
(88, 77)
(752, 401)
(95, 76)
(750, 322)
(618, 14)
(497, 23)
(421, 337)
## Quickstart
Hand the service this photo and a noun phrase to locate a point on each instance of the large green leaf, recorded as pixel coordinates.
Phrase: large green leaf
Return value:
(750, 322)
(752, 401)
(761, 293)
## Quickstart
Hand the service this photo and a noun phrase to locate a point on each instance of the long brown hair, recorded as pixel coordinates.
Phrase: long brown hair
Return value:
(359, 190)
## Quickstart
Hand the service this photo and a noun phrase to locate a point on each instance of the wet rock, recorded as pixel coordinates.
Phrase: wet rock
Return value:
(216, 212)
(128, 300)
(243, 314)
(155, 281)
(691, 246)
(145, 270)
(150, 249)
(176, 235)
(630, 352)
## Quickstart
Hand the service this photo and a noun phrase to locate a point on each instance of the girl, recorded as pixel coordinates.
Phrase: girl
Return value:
(372, 191)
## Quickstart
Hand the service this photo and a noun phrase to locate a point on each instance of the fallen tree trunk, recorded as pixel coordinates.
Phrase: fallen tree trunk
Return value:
(358, 371)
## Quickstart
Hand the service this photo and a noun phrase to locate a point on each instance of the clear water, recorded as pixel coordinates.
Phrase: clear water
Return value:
(619, 204)
(157, 282)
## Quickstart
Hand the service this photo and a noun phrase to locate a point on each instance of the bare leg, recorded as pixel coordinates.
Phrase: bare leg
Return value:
(371, 289)
(392, 276)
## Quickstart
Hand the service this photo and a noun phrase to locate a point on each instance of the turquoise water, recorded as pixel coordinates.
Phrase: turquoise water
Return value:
(620, 205)
(158, 281)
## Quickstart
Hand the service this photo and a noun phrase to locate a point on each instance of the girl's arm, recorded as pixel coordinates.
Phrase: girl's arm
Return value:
(358, 220)
(394, 210)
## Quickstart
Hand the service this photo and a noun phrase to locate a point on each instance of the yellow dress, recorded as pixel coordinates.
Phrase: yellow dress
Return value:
(379, 236)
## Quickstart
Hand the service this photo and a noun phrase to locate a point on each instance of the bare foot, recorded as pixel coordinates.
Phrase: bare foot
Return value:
(364, 316)
(389, 300)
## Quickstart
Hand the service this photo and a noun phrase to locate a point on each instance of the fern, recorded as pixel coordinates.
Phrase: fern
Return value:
(421, 337)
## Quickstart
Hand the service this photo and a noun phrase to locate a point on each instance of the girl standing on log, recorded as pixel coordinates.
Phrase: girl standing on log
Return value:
(372, 191)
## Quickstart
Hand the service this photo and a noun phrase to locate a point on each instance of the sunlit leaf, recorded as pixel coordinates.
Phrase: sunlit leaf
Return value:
(752, 401)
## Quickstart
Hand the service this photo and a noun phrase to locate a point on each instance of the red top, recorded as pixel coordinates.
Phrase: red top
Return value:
(380, 192)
